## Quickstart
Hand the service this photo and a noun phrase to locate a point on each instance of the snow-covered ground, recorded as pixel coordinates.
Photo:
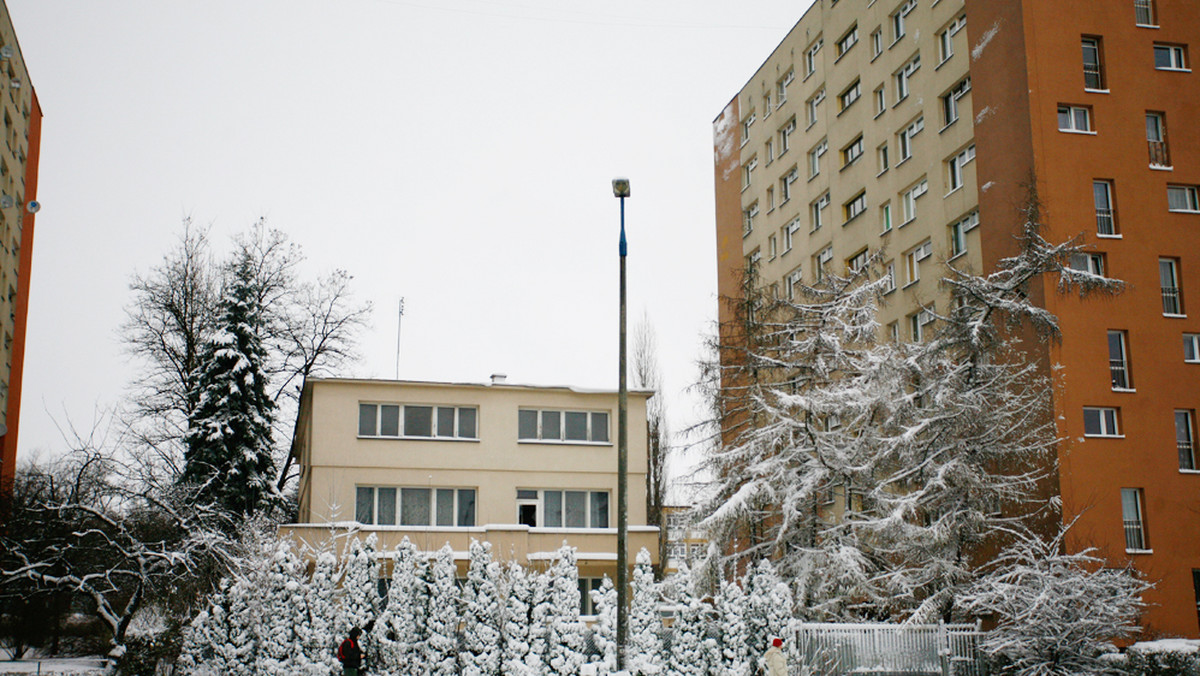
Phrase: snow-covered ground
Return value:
(47, 667)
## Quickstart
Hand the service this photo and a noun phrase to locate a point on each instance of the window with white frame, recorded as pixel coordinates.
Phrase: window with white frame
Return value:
(810, 57)
(817, 210)
(1156, 139)
(1075, 119)
(1170, 57)
(748, 216)
(769, 150)
(858, 261)
(746, 124)
(1168, 279)
(770, 198)
(905, 137)
(785, 185)
(849, 95)
(916, 330)
(856, 206)
(898, 18)
(1088, 262)
(893, 332)
(881, 154)
(908, 201)
(562, 426)
(885, 218)
(791, 283)
(950, 101)
(912, 261)
(1191, 348)
(852, 152)
(1118, 360)
(889, 276)
(542, 508)
(905, 74)
(1144, 13)
(767, 107)
(958, 236)
(414, 506)
(814, 157)
(789, 233)
(1093, 67)
(748, 172)
(1185, 438)
(781, 87)
(1133, 521)
(848, 40)
(1182, 198)
(772, 247)
(1102, 201)
(876, 43)
(417, 421)
(820, 261)
(1101, 421)
(954, 168)
(587, 585)
(880, 100)
(785, 135)
(813, 104)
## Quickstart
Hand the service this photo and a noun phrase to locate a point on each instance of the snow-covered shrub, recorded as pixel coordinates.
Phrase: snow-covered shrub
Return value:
(515, 630)
(604, 633)
(1165, 657)
(645, 626)
(564, 630)
(481, 620)
(442, 647)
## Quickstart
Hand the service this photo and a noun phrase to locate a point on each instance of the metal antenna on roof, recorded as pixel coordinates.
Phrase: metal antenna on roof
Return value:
(399, 319)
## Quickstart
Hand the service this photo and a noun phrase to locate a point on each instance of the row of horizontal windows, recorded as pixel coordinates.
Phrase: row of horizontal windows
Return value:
(461, 422)
(562, 508)
(414, 506)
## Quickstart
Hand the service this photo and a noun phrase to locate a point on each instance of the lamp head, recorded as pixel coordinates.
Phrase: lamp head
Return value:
(621, 187)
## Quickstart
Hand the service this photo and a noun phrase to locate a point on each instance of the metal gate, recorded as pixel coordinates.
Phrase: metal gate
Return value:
(887, 649)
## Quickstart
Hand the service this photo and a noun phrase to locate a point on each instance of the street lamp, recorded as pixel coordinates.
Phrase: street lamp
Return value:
(621, 191)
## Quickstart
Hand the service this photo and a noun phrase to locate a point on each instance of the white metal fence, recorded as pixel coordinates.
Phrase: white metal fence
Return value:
(888, 649)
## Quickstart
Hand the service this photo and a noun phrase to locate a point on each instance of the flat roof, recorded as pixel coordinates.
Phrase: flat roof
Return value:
(491, 385)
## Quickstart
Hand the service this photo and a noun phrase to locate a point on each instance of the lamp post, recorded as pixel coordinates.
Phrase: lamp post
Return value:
(621, 191)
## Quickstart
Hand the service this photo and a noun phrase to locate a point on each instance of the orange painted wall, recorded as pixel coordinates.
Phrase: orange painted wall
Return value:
(728, 188)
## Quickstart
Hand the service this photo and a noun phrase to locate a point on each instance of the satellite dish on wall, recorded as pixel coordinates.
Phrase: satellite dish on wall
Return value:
(34, 206)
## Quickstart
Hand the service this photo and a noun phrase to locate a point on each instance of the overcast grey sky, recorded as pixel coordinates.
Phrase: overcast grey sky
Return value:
(454, 152)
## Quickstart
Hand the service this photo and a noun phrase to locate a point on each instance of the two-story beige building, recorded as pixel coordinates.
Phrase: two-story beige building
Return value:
(523, 467)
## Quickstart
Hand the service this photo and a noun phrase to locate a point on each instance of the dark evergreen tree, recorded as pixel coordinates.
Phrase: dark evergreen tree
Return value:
(229, 435)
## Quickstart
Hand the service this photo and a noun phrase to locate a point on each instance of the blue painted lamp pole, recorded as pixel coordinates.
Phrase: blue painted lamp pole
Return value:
(621, 191)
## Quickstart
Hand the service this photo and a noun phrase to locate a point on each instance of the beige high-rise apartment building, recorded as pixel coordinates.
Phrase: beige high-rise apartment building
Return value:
(19, 154)
(526, 468)
(912, 128)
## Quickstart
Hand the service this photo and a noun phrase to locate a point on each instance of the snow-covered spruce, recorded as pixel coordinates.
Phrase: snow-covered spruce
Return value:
(441, 653)
(564, 630)
(481, 621)
(644, 623)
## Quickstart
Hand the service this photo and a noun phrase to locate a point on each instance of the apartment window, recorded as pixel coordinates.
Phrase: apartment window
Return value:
(904, 75)
(916, 331)
(1185, 430)
(912, 261)
(746, 124)
(945, 46)
(1100, 422)
(769, 150)
(772, 247)
(587, 585)
(905, 137)
(564, 426)
(1168, 277)
(753, 261)
(1143, 11)
(908, 201)
(876, 43)
(1156, 139)
(813, 103)
(881, 153)
(950, 101)
(1074, 119)
(785, 134)
(810, 57)
(1131, 514)
(820, 261)
(1106, 217)
(781, 87)
(898, 18)
(785, 185)
(852, 152)
(1170, 57)
(889, 276)
(748, 216)
(791, 283)
(848, 40)
(855, 206)
(1182, 198)
(417, 421)
(958, 238)
(885, 218)
(1118, 361)
(894, 332)
(415, 506)
(954, 168)
(880, 101)
(562, 509)
(767, 105)
(1093, 69)
(850, 95)
(814, 157)
(817, 209)
(858, 261)
(770, 198)
(789, 232)
(1191, 347)
(1088, 262)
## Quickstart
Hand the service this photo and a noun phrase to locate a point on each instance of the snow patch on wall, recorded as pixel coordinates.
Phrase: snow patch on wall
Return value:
(986, 186)
(725, 140)
(984, 114)
(987, 36)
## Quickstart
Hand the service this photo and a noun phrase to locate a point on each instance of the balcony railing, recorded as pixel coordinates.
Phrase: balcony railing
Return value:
(1187, 457)
(1144, 9)
(1171, 301)
(1159, 155)
(1106, 223)
(1120, 374)
(1135, 537)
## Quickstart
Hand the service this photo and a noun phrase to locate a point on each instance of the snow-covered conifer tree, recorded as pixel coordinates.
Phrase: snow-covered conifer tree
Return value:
(228, 438)
(516, 627)
(399, 632)
(768, 608)
(731, 616)
(687, 656)
(645, 640)
(280, 650)
(481, 617)
(564, 630)
(604, 633)
(443, 618)
(206, 643)
(360, 599)
(320, 643)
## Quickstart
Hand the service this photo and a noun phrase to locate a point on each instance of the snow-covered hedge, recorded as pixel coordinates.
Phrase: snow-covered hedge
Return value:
(279, 618)
(1165, 657)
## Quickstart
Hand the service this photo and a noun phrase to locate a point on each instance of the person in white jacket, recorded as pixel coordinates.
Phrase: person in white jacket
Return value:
(775, 660)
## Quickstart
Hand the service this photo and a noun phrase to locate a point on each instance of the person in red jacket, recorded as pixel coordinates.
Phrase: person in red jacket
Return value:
(350, 654)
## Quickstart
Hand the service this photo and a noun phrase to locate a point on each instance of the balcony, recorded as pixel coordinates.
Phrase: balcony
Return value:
(1160, 156)
(1135, 536)
(1171, 302)
(1119, 371)
(1106, 222)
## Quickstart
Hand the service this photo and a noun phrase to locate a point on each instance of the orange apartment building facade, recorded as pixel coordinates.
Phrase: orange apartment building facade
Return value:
(22, 119)
(913, 127)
